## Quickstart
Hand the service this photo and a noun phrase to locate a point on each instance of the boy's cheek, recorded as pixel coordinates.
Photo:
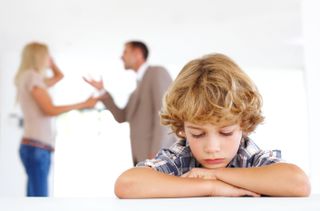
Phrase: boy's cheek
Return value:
(197, 153)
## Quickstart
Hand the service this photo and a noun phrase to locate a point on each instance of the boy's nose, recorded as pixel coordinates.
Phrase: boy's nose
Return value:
(212, 145)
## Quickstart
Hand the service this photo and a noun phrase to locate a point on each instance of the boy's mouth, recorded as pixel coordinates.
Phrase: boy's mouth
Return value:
(214, 161)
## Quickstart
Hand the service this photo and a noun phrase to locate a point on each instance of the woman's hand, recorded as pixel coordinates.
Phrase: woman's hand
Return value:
(51, 62)
(90, 102)
(57, 74)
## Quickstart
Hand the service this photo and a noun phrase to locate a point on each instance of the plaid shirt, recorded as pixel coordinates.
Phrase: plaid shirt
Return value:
(178, 159)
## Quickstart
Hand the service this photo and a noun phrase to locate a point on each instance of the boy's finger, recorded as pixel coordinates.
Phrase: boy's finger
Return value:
(250, 193)
(186, 174)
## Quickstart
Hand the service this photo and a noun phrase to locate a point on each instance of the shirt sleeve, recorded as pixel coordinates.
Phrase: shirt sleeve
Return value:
(35, 80)
(165, 161)
(263, 158)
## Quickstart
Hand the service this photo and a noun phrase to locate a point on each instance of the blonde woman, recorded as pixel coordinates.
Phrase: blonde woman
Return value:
(38, 110)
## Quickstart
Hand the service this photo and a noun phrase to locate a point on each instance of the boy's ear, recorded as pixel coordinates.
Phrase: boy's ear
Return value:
(182, 133)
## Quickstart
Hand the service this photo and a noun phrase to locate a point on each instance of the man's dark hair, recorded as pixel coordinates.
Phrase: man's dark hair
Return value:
(140, 45)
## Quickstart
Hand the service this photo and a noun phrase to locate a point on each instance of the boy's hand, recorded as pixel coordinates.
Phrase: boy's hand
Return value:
(223, 189)
(219, 188)
(200, 173)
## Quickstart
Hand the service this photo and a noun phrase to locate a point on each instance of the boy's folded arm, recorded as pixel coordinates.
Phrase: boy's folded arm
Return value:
(144, 182)
(278, 179)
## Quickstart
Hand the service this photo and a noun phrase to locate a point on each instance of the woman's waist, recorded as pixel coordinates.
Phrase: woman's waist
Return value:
(37, 143)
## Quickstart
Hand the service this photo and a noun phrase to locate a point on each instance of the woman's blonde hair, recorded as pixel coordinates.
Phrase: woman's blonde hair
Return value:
(32, 58)
(212, 89)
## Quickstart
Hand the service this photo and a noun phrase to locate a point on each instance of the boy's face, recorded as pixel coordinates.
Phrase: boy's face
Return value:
(213, 147)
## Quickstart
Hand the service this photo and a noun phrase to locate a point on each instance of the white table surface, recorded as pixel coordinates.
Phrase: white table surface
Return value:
(311, 203)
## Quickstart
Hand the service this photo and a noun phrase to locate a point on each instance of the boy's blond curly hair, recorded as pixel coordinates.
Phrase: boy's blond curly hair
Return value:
(212, 89)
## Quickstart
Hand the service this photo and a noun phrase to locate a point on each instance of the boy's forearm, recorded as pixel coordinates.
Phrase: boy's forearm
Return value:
(148, 183)
(279, 179)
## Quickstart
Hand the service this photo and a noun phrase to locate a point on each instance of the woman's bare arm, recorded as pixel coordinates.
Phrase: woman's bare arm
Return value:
(45, 103)
(57, 74)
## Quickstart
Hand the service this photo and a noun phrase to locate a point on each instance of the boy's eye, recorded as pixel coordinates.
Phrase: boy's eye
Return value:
(226, 133)
(197, 135)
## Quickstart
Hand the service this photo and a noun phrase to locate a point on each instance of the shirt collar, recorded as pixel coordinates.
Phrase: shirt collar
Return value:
(141, 71)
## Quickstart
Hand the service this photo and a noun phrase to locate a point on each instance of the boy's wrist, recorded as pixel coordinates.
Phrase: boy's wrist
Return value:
(218, 172)
(207, 187)
(212, 187)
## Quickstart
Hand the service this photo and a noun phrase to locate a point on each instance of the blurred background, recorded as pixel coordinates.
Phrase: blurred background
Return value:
(277, 42)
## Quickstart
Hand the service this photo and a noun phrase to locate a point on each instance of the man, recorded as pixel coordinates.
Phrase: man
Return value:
(142, 110)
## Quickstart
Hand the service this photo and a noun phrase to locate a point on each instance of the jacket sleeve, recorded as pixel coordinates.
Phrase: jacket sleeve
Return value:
(118, 113)
(160, 83)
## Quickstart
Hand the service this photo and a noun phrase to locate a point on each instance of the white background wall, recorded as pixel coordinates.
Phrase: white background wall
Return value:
(311, 34)
(266, 37)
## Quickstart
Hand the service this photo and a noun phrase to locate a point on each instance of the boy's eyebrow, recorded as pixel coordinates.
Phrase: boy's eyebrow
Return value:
(228, 128)
(194, 127)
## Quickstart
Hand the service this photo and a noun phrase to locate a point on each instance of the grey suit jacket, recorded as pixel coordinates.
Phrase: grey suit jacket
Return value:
(142, 112)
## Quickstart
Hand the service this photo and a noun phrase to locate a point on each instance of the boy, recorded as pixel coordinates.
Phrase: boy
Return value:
(212, 106)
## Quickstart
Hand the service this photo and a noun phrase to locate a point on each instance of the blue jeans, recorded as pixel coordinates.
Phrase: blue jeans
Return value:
(36, 162)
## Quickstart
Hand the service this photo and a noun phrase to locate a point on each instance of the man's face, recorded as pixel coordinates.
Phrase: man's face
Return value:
(128, 57)
(213, 147)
